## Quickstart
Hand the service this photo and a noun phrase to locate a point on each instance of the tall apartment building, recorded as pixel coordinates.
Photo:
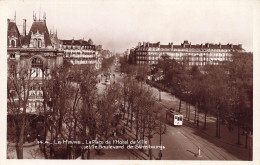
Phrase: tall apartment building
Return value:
(199, 54)
(80, 52)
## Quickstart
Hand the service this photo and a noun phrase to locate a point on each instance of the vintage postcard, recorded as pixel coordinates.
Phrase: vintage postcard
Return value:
(160, 81)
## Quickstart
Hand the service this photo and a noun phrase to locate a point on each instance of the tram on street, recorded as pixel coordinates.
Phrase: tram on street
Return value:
(175, 118)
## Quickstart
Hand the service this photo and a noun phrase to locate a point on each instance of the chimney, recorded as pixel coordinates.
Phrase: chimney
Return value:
(147, 44)
(24, 27)
(8, 20)
(219, 45)
(159, 45)
(44, 17)
(171, 45)
(139, 44)
(231, 45)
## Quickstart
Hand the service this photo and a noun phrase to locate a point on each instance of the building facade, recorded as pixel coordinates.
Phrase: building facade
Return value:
(186, 53)
(35, 53)
(80, 52)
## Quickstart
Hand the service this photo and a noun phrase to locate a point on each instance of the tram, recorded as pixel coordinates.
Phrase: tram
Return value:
(174, 117)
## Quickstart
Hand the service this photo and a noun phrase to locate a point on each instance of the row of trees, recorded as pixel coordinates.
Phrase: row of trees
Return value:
(140, 111)
(71, 109)
(225, 90)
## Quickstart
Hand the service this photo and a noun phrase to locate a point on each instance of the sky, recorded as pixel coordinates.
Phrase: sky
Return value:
(120, 25)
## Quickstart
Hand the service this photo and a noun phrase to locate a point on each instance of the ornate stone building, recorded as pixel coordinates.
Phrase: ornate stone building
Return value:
(33, 51)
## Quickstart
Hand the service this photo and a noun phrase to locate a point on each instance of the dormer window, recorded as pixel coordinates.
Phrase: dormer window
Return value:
(13, 43)
(37, 43)
(37, 40)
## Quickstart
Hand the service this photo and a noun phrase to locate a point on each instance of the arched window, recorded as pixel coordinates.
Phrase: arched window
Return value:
(37, 66)
(13, 43)
(37, 62)
(35, 43)
(39, 43)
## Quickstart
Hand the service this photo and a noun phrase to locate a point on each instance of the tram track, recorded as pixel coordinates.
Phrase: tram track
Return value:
(204, 145)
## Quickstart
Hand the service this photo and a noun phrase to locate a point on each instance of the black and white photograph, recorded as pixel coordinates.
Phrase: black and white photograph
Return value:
(129, 80)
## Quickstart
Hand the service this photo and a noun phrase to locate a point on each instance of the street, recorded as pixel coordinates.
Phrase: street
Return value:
(183, 142)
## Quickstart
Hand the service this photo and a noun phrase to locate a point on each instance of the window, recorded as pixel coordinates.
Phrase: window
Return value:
(12, 55)
(35, 43)
(39, 43)
(37, 66)
(37, 62)
(13, 44)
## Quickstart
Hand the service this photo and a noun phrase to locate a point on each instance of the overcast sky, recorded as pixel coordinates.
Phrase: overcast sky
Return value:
(120, 25)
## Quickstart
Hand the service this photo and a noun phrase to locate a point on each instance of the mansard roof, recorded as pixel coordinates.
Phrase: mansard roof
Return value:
(75, 42)
(13, 31)
(38, 26)
(186, 44)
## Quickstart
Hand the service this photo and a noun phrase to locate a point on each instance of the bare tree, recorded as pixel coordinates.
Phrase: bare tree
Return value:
(18, 87)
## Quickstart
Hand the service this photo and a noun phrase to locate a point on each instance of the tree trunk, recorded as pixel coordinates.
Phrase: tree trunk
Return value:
(195, 117)
(69, 155)
(246, 139)
(88, 155)
(51, 146)
(238, 134)
(186, 109)
(137, 124)
(150, 150)
(189, 112)
(19, 146)
(131, 118)
(82, 154)
(205, 119)
(217, 124)
(124, 107)
(180, 106)
(127, 119)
